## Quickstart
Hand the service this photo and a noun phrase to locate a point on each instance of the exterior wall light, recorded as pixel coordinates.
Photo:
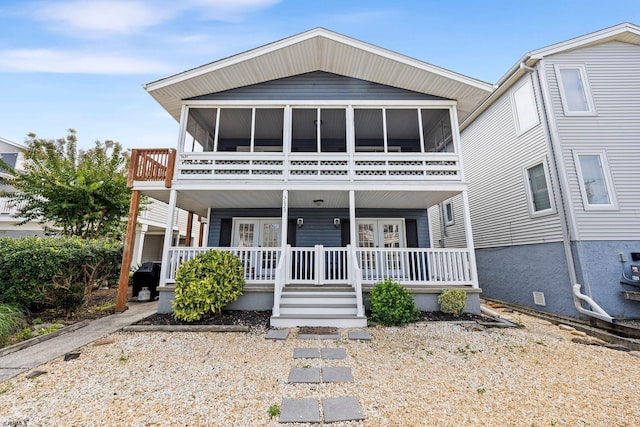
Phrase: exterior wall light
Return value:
(299, 222)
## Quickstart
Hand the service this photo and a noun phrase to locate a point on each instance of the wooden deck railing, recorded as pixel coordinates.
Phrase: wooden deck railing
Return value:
(155, 164)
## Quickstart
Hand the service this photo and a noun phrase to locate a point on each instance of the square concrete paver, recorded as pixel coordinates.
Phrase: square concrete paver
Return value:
(333, 353)
(359, 335)
(300, 411)
(341, 409)
(304, 375)
(336, 375)
(306, 353)
(319, 337)
(276, 334)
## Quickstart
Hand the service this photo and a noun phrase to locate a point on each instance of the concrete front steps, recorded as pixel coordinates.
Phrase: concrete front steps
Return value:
(325, 305)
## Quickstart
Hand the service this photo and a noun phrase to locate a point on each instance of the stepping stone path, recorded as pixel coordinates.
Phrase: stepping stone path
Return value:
(334, 409)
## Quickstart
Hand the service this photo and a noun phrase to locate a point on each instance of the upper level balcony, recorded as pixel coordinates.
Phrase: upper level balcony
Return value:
(309, 143)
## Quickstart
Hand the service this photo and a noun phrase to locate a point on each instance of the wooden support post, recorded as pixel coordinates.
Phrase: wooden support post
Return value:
(187, 239)
(127, 253)
(201, 232)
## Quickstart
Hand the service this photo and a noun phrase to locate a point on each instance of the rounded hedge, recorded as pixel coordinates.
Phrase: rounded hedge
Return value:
(206, 284)
(392, 304)
(452, 301)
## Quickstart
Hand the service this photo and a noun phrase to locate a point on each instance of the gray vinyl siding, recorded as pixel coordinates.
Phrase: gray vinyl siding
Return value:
(494, 160)
(613, 73)
(448, 236)
(317, 85)
(318, 228)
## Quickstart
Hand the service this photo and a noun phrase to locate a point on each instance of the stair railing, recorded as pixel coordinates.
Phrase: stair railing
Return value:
(280, 279)
(356, 278)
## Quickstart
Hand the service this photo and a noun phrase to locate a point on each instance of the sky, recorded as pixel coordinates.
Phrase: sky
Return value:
(82, 64)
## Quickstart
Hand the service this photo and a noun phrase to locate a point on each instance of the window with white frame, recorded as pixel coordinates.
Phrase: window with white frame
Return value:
(538, 185)
(574, 90)
(524, 107)
(449, 219)
(594, 180)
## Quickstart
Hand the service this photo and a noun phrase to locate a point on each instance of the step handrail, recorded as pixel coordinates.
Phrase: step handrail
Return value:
(280, 277)
(356, 277)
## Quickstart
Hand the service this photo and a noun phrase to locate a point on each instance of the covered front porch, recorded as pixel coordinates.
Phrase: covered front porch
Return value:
(322, 250)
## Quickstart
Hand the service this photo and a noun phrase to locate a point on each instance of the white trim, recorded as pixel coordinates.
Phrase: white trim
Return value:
(527, 185)
(604, 164)
(338, 103)
(586, 89)
(514, 106)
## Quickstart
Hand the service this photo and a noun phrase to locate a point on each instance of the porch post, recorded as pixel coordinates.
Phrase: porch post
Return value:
(127, 253)
(469, 236)
(200, 231)
(285, 220)
(187, 239)
(168, 236)
(352, 220)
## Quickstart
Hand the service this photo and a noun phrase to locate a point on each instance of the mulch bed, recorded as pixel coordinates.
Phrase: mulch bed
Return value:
(257, 319)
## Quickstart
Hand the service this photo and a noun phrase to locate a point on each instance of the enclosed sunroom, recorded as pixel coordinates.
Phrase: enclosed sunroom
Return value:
(315, 159)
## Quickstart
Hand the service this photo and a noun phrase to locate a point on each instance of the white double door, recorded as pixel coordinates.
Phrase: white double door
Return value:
(380, 233)
(258, 233)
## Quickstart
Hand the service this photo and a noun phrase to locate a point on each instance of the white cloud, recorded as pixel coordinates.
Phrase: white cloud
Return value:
(102, 16)
(61, 61)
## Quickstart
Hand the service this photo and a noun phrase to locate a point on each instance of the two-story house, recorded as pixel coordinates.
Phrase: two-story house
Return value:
(552, 158)
(315, 159)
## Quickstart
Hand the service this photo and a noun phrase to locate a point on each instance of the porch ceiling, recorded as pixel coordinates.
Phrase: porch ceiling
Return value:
(199, 201)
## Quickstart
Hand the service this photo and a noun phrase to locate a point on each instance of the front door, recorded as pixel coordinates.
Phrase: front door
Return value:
(260, 264)
(385, 234)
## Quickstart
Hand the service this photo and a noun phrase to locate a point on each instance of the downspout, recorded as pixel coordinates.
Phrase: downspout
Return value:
(553, 144)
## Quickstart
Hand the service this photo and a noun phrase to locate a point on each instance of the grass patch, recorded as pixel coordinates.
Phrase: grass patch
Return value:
(11, 321)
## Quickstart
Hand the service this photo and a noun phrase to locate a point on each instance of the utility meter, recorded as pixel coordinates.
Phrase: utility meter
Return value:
(635, 273)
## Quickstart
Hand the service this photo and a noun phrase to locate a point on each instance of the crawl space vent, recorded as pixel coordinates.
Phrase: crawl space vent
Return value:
(538, 298)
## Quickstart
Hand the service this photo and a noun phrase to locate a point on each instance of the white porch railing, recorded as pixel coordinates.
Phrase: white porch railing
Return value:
(415, 266)
(320, 265)
(259, 263)
(319, 166)
(6, 208)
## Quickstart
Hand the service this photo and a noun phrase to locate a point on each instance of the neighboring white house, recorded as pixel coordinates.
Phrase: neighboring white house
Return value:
(315, 159)
(552, 158)
(150, 232)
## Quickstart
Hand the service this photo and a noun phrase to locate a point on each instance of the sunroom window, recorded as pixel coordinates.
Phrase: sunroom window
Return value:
(235, 129)
(319, 129)
(403, 130)
(369, 129)
(436, 130)
(200, 130)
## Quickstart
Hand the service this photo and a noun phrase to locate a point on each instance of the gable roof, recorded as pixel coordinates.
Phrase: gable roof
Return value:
(12, 144)
(318, 50)
(625, 32)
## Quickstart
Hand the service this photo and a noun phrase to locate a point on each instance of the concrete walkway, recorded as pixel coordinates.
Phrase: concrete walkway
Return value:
(19, 361)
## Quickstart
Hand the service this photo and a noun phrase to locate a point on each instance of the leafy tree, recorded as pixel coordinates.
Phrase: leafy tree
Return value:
(73, 192)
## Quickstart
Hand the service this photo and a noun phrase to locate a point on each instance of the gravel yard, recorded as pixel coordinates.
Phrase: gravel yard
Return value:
(427, 374)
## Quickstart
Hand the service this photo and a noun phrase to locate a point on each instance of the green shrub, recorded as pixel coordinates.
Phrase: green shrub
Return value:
(206, 284)
(55, 272)
(452, 301)
(11, 321)
(392, 304)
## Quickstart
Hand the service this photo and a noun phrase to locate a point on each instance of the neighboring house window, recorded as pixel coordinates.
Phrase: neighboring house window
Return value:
(538, 192)
(448, 213)
(524, 107)
(594, 180)
(574, 90)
